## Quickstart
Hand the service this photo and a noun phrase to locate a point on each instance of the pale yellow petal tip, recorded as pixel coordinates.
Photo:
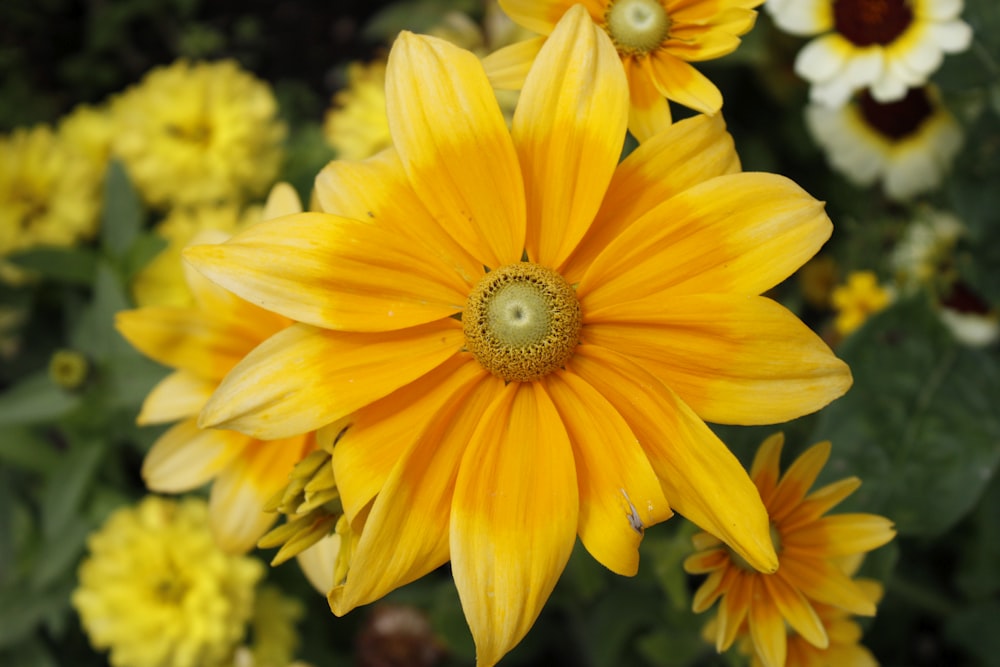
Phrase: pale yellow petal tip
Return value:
(282, 200)
(338, 605)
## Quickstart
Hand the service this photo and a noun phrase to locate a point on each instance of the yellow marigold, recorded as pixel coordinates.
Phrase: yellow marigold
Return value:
(272, 627)
(656, 40)
(158, 592)
(49, 194)
(811, 548)
(522, 336)
(89, 130)
(162, 281)
(858, 299)
(197, 132)
(202, 342)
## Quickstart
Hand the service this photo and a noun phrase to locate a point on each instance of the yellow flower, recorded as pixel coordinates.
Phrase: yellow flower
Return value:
(656, 41)
(162, 282)
(810, 549)
(857, 300)
(49, 195)
(202, 343)
(89, 131)
(158, 592)
(193, 133)
(908, 145)
(356, 126)
(886, 46)
(523, 337)
(273, 627)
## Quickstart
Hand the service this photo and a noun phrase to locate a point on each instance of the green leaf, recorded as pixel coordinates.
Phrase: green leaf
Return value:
(68, 265)
(60, 553)
(122, 218)
(24, 448)
(35, 399)
(65, 489)
(919, 426)
(141, 253)
(94, 332)
(977, 574)
(22, 609)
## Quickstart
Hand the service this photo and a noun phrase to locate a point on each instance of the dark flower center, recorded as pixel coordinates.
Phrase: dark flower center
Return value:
(900, 119)
(868, 22)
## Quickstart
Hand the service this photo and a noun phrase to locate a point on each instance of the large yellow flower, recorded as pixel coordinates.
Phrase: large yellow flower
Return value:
(202, 342)
(811, 548)
(656, 41)
(521, 336)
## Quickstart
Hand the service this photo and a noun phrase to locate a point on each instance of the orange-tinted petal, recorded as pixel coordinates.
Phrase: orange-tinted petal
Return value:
(185, 457)
(178, 396)
(741, 233)
(734, 608)
(819, 502)
(541, 16)
(334, 272)
(797, 480)
(843, 534)
(734, 359)
(649, 113)
(681, 82)
(303, 378)
(767, 628)
(701, 478)
(508, 67)
(765, 471)
(796, 610)
(455, 146)
(406, 535)
(568, 129)
(619, 492)
(703, 562)
(823, 581)
(691, 151)
(513, 519)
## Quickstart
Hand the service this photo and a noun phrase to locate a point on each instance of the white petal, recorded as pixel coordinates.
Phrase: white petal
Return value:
(821, 59)
(953, 36)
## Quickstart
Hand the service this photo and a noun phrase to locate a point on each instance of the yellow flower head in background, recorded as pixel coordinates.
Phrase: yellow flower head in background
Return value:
(887, 46)
(89, 130)
(520, 338)
(162, 282)
(656, 40)
(811, 548)
(858, 299)
(202, 342)
(192, 133)
(272, 627)
(49, 194)
(157, 591)
(907, 145)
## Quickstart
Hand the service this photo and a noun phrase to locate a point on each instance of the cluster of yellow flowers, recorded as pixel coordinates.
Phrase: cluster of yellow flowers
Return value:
(492, 337)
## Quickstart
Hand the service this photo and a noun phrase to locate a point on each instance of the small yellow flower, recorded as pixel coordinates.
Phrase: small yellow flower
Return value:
(356, 126)
(89, 131)
(158, 592)
(656, 40)
(524, 336)
(49, 194)
(162, 282)
(191, 133)
(202, 342)
(68, 368)
(858, 299)
(811, 548)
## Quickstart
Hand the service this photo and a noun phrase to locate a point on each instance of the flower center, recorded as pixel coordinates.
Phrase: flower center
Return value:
(867, 22)
(637, 26)
(522, 321)
(896, 120)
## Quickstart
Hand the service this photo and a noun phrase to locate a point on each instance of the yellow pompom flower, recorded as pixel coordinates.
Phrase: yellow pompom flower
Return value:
(89, 130)
(49, 194)
(811, 548)
(858, 299)
(356, 126)
(157, 591)
(656, 40)
(192, 133)
(523, 337)
(202, 342)
(162, 282)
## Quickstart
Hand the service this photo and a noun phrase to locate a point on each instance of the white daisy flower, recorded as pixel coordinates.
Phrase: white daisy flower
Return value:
(908, 145)
(887, 46)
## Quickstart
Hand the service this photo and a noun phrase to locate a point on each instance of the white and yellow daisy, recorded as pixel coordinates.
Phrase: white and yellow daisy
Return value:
(887, 46)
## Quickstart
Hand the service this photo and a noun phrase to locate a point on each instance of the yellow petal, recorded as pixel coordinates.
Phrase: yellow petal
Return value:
(704, 562)
(619, 493)
(796, 610)
(733, 609)
(682, 83)
(281, 200)
(513, 519)
(797, 480)
(843, 534)
(740, 233)
(406, 535)
(178, 396)
(691, 151)
(539, 16)
(823, 581)
(568, 129)
(377, 190)
(185, 457)
(701, 478)
(455, 146)
(507, 67)
(303, 378)
(187, 339)
(649, 112)
(767, 628)
(734, 359)
(819, 502)
(318, 562)
(334, 272)
(765, 471)
(379, 434)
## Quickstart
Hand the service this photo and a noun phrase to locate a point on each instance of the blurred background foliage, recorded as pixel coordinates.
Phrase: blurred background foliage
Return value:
(921, 426)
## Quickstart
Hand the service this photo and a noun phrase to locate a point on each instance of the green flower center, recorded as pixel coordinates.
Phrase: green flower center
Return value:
(637, 26)
(522, 321)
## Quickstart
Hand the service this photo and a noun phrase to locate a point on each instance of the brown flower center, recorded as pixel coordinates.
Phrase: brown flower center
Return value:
(522, 321)
(868, 22)
(900, 119)
(636, 26)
